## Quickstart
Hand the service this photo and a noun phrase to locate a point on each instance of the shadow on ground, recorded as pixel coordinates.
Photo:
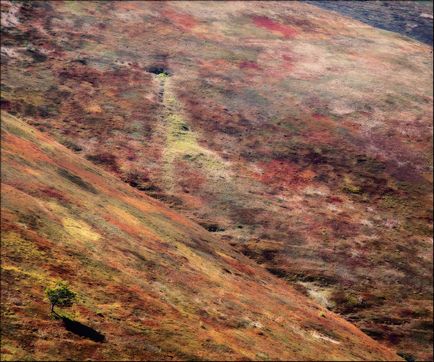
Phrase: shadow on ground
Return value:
(82, 330)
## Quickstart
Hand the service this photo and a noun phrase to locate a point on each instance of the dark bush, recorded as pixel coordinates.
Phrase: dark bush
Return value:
(71, 145)
(105, 159)
(76, 180)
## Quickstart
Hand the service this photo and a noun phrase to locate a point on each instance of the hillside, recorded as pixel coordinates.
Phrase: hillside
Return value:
(410, 18)
(301, 139)
(155, 284)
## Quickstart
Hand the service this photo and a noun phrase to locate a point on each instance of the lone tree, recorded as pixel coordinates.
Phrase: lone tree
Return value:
(60, 295)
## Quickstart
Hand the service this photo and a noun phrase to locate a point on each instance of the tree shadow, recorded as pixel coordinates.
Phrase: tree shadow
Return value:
(82, 330)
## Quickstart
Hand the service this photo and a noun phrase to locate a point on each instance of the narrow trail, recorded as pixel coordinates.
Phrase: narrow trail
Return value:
(179, 141)
(162, 78)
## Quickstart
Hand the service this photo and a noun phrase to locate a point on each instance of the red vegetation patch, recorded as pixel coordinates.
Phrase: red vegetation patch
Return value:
(319, 136)
(278, 171)
(184, 20)
(321, 131)
(319, 117)
(190, 179)
(249, 65)
(26, 148)
(52, 192)
(219, 65)
(284, 174)
(130, 227)
(343, 229)
(266, 23)
(129, 5)
(334, 200)
(239, 266)
(287, 62)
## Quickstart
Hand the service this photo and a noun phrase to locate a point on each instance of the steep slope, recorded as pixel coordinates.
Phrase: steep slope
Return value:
(301, 138)
(155, 284)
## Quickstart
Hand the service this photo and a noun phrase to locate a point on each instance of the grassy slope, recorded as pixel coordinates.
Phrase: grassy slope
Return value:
(303, 137)
(157, 285)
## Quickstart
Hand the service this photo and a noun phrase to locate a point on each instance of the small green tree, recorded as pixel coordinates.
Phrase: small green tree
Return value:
(60, 295)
